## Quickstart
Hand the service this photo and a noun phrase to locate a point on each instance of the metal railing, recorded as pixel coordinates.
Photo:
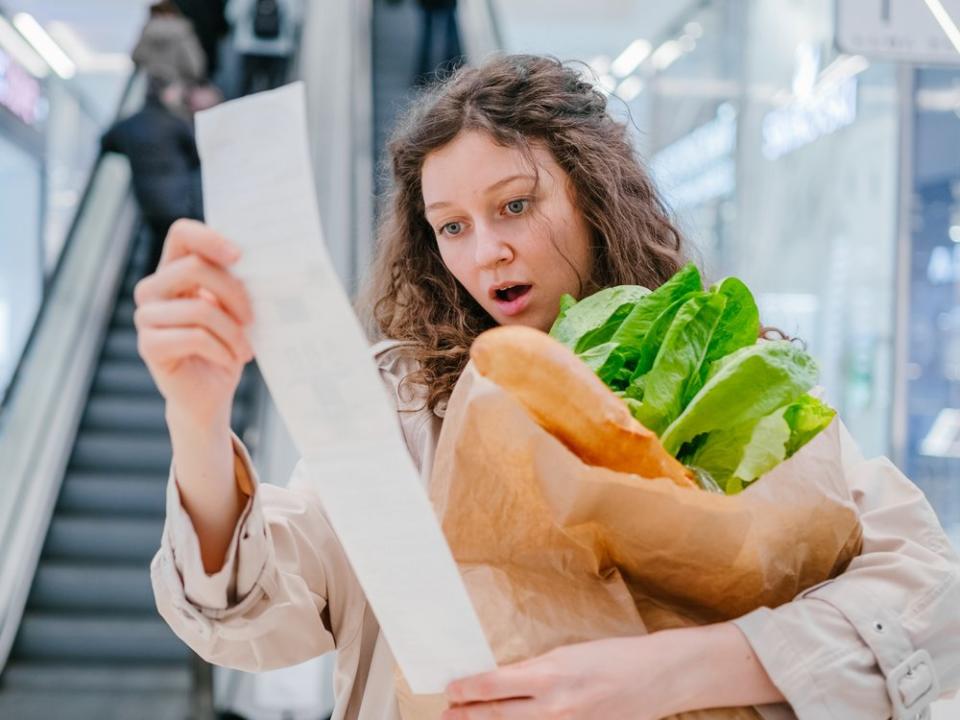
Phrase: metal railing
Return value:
(40, 419)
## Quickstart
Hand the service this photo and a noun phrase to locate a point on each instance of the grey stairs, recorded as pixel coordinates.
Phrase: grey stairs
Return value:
(91, 645)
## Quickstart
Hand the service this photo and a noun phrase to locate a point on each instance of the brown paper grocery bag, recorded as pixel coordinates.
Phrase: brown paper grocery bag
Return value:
(555, 552)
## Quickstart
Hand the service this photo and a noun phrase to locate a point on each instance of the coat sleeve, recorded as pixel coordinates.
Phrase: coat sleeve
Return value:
(286, 592)
(882, 639)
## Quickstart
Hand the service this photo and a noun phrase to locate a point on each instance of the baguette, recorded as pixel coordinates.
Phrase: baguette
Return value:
(570, 402)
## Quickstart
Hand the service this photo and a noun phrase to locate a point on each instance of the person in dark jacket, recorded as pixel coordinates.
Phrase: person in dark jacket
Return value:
(163, 161)
(210, 24)
(438, 15)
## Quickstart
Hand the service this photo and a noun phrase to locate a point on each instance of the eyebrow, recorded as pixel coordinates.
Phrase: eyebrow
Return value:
(497, 185)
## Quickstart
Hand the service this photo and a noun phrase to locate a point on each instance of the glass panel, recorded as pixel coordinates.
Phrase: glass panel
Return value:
(816, 214)
(73, 142)
(933, 366)
(21, 281)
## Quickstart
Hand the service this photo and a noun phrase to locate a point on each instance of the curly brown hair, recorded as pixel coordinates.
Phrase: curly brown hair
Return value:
(520, 100)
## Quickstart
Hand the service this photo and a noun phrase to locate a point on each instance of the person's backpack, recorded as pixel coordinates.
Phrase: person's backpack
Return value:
(266, 19)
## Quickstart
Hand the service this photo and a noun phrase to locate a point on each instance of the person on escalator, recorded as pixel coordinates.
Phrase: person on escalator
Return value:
(438, 16)
(164, 163)
(168, 46)
(265, 35)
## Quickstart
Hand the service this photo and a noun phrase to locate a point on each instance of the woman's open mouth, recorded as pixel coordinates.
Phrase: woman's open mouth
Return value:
(512, 300)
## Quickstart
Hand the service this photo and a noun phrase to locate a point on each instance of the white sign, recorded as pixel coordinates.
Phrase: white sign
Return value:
(904, 30)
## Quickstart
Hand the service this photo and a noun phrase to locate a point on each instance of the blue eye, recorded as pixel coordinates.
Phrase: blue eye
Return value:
(452, 228)
(517, 207)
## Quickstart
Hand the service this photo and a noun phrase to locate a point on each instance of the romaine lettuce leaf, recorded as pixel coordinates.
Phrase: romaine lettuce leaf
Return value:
(806, 417)
(592, 315)
(746, 385)
(681, 356)
(739, 327)
(638, 323)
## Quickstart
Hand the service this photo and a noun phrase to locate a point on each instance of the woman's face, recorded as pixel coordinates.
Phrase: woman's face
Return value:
(504, 236)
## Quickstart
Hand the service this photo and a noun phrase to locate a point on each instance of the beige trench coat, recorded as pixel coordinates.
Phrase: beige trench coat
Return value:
(840, 651)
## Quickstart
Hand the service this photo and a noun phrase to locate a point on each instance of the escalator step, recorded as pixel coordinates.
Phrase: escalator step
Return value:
(124, 377)
(121, 344)
(123, 313)
(106, 539)
(70, 588)
(124, 413)
(56, 637)
(105, 495)
(137, 413)
(112, 453)
(131, 377)
(90, 677)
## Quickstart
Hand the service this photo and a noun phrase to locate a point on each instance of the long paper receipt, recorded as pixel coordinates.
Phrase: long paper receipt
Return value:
(258, 192)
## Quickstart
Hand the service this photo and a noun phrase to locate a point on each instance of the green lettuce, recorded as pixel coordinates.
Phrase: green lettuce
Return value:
(581, 325)
(746, 385)
(687, 363)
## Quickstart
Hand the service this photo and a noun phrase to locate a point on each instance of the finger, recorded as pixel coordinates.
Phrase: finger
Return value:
(189, 312)
(191, 237)
(512, 681)
(171, 344)
(504, 710)
(209, 297)
(189, 274)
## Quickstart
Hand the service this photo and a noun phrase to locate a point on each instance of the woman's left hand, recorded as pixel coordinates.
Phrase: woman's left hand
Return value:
(613, 678)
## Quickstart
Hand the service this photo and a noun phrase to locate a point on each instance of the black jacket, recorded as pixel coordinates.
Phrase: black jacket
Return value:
(163, 160)
(209, 22)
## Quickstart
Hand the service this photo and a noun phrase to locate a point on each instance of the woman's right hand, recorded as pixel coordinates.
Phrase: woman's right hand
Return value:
(191, 316)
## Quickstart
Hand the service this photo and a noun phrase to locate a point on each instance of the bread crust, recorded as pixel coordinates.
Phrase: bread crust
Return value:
(570, 402)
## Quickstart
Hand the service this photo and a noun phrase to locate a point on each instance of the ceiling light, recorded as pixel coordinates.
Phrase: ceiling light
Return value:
(843, 68)
(20, 50)
(630, 59)
(665, 55)
(946, 22)
(52, 53)
(83, 57)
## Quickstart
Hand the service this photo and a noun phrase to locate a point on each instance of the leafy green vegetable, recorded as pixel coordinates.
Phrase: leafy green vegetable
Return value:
(741, 454)
(594, 315)
(806, 417)
(638, 323)
(680, 359)
(738, 328)
(687, 363)
(649, 346)
(745, 386)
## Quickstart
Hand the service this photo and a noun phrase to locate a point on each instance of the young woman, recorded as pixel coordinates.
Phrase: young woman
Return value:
(512, 185)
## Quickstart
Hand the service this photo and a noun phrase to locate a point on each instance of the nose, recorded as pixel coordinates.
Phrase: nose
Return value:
(491, 248)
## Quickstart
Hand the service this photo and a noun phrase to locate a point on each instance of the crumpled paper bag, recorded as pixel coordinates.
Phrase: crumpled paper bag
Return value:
(554, 552)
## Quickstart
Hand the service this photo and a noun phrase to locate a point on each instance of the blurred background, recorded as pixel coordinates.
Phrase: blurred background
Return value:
(810, 147)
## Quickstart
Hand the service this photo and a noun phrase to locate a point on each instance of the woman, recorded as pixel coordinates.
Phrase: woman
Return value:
(168, 47)
(512, 185)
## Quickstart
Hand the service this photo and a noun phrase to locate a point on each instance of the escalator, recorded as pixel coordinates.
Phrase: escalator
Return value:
(90, 643)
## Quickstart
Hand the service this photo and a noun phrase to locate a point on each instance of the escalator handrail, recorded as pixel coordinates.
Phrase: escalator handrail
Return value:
(125, 106)
(43, 410)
